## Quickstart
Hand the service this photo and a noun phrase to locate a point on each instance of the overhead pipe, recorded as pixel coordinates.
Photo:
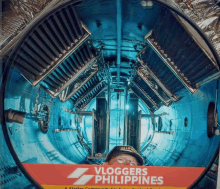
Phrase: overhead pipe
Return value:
(119, 20)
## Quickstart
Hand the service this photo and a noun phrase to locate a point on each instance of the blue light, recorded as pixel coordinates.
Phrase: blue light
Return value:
(127, 107)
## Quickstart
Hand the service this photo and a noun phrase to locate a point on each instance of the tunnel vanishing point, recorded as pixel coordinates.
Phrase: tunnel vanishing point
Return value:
(80, 77)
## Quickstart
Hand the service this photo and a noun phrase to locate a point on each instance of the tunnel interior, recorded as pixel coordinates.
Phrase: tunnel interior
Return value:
(90, 76)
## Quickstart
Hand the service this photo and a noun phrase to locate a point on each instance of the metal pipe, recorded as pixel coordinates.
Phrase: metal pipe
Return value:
(93, 133)
(119, 20)
(139, 132)
(108, 119)
(166, 132)
(14, 116)
(154, 115)
(64, 130)
(126, 117)
(79, 112)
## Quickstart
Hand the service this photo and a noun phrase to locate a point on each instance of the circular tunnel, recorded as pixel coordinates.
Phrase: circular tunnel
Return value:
(144, 72)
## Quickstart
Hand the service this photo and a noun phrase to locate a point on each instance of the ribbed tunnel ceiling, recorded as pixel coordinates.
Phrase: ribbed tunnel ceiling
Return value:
(76, 58)
(59, 52)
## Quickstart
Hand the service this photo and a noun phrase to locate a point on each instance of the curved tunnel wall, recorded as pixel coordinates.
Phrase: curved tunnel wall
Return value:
(46, 148)
(179, 146)
(11, 175)
(187, 146)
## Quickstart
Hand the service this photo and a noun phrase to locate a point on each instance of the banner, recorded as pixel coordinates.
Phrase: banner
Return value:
(63, 176)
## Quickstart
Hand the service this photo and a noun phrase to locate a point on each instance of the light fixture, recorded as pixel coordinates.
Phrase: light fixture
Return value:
(127, 106)
(146, 4)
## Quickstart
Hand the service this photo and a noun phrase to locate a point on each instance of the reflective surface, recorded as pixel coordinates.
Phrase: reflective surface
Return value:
(165, 140)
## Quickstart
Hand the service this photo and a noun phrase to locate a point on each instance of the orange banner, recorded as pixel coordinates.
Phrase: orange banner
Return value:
(62, 176)
(106, 187)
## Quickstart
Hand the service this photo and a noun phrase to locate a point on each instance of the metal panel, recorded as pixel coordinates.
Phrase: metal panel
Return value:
(139, 133)
(69, 81)
(81, 102)
(133, 131)
(166, 90)
(169, 64)
(149, 108)
(101, 129)
(146, 95)
(126, 118)
(94, 122)
(64, 56)
(88, 92)
(74, 90)
(165, 102)
(108, 118)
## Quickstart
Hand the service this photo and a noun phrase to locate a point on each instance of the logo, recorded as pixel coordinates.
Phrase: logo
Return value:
(78, 173)
(128, 148)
